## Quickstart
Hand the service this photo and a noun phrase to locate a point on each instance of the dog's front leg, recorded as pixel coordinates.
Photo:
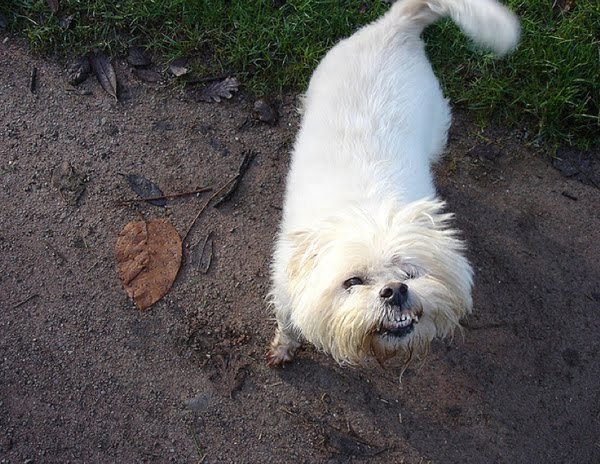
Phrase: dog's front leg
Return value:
(284, 345)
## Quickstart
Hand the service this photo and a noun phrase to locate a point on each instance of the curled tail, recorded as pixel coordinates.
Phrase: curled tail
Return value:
(487, 22)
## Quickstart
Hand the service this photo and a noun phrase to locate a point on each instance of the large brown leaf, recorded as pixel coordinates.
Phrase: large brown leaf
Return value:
(148, 259)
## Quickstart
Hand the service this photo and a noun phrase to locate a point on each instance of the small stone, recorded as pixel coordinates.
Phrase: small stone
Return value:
(264, 110)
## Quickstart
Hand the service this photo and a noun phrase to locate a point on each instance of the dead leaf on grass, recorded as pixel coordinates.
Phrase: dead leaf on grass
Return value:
(105, 73)
(145, 189)
(148, 259)
(136, 56)
(179, 67)
(79, 70)
(147, 75)
(563, 6)
(217, 90)
(53, 5)
(65, 22)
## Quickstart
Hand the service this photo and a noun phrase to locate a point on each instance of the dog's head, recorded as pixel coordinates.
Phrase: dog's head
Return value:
(378, 283)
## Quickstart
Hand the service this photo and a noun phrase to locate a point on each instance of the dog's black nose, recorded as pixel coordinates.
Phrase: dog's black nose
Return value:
(395, 293)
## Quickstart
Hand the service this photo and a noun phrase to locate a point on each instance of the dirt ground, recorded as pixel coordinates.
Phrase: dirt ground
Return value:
(85, 377)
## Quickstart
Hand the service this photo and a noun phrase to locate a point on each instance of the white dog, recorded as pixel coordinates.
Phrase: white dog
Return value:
(366, 262)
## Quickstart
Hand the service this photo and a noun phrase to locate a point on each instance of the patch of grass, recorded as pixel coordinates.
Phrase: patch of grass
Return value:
(551, 83)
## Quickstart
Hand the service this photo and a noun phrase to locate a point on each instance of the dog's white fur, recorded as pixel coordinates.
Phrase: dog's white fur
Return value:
(360, 200)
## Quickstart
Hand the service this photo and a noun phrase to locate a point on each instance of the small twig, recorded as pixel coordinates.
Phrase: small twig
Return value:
(167, 197)
(92, 266)
(33, 81)
(29, 298)
(569, 196)
(248, 157)
(286, 410)
(56, 252)
(200, 80)
(213, 196)
(205, 269)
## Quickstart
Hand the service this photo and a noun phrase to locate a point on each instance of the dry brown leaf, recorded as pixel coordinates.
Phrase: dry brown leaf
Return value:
(136, 56)
(222, 89)
(53, 5)
(145, 188)
(105, 72)
(148, 260)
(79, 70)
(147, 75)
(179, 67)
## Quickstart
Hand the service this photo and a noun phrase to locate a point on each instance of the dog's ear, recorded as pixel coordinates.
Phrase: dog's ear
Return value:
(303, 255)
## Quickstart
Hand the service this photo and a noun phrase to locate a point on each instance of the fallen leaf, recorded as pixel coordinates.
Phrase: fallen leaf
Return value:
(563, 6)
(105, 72)
(136, 56)
(147, 75)
(53, 5)
(148, 259)
(145, 188)
(79, 70)
(201, 255)
(179, 67)
(65, 22)
(265, 111)
(217, 90)
(69, 182)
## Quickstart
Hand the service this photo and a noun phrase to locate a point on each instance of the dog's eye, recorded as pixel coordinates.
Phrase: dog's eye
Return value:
(352, 282)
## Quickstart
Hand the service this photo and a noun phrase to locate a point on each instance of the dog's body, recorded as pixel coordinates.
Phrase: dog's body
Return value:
(365, 262)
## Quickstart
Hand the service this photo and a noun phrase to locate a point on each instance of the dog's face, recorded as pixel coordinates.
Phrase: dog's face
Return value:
(365, 285)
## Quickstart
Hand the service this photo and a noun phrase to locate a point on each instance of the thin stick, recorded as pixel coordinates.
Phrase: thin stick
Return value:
(213, 196)
(33, 81)
(167, 197)
(206, 268)
(248, 157)
(21, 303)
(207, 79)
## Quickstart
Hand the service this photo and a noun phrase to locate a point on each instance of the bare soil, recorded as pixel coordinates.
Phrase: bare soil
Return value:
(86, 377)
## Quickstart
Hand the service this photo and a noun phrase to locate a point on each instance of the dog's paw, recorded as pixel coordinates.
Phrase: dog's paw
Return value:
(282, 351)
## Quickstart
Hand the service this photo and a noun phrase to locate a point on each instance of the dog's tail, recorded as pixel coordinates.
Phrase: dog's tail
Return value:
(487, 22)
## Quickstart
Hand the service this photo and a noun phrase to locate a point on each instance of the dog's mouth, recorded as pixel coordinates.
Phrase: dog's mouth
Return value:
(400, 324)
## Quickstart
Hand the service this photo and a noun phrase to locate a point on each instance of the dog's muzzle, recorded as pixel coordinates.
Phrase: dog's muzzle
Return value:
(399, 320)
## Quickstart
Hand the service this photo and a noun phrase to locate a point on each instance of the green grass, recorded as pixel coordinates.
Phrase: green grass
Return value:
(551, 84)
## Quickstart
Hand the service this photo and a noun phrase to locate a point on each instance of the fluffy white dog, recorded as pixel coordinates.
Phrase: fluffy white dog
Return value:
(366, 262)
